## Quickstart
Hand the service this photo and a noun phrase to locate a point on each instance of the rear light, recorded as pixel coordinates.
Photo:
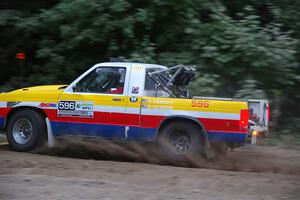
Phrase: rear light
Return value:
(244, 119)
(255, 117)
(269, 113)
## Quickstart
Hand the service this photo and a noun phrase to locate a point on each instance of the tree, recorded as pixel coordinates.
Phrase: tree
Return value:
(241, 48)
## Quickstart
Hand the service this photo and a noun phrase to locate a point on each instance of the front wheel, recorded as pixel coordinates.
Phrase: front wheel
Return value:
(181, 141)
(26, 130)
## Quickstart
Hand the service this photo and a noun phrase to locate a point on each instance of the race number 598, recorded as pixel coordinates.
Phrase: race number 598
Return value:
(200, 103)
(66, 105)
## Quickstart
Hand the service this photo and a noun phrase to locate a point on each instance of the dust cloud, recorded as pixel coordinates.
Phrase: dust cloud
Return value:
(251, 158)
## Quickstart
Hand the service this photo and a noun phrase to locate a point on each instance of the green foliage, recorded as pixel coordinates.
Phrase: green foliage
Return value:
(250, 90)
(204, 85)
(243, 49)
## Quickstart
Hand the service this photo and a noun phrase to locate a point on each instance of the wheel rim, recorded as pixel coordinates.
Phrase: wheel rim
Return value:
(180, 142)
(22, 131)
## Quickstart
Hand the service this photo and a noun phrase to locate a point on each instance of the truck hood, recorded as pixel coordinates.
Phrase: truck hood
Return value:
(43, 88)
(37, 93)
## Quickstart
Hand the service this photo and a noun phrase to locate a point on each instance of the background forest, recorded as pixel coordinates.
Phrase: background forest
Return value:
(243, 49)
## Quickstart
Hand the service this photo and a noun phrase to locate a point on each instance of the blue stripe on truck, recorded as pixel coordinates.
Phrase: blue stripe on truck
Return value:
(103, 130)
(134, 133)
(2, 121)
(215, 136)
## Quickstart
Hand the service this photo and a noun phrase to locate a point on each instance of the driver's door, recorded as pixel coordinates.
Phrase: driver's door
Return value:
(95, 105)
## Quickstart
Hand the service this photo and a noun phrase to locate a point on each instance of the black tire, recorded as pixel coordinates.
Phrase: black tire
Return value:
(26, 130)
(181, 141)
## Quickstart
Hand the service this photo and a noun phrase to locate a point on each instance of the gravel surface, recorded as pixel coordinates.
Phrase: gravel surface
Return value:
(253, 172)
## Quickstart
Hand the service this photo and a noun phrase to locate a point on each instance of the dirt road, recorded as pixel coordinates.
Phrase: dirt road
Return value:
(249, 174)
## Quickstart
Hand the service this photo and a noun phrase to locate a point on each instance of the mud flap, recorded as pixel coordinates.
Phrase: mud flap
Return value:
(208, 150)
(52, 141)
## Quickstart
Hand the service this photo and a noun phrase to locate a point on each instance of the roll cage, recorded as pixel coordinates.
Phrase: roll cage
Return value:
(173, 83)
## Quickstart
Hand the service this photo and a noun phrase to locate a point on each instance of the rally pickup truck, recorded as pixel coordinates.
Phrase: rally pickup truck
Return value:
(124, 101)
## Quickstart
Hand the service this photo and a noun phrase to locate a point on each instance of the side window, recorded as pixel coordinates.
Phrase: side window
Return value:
(107, 80)
(150, 89)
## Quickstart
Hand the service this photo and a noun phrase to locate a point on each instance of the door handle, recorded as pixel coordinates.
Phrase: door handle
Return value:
(116, 99)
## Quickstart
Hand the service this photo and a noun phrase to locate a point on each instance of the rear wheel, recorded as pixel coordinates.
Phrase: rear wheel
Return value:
(26, 130)
(181, 141)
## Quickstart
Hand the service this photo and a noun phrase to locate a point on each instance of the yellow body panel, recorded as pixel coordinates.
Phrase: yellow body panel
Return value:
(47, 93)
(52, 93)
(186, 104)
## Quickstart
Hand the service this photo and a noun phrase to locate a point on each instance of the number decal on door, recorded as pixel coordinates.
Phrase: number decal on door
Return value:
(75, 109)
(66, 105)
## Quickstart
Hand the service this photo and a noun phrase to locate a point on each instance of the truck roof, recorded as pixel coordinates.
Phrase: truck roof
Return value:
(127, 64)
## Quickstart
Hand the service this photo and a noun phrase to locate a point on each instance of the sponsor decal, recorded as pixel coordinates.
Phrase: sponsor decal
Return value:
(134, 99)
(135, 90)
(75, 109)
(145, 106)
(84, 106)
(48, 105)
(137, 67)
(155, 101)
(161, 107)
